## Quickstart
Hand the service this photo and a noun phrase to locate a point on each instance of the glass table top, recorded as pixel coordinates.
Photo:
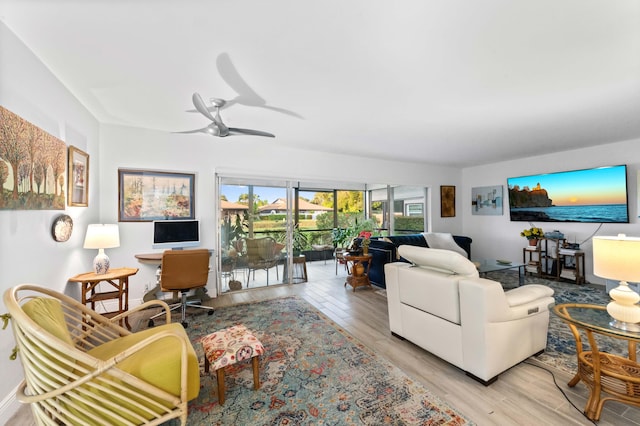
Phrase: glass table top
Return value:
(493, 265)
(593, 317)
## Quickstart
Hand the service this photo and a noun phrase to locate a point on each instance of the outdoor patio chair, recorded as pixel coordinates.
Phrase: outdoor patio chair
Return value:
(262, 253)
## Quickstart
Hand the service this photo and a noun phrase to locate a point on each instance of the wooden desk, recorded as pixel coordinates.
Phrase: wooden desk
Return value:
(118, 278)
(358, 273)
(153, 258)
(614, 375)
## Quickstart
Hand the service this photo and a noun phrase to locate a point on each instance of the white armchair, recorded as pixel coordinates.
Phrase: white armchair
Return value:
(440, 303)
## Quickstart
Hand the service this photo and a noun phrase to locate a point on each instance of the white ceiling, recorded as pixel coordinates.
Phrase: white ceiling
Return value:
(451, 82)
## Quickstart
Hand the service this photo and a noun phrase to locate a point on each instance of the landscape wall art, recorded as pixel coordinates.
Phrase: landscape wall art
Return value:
(33, 166)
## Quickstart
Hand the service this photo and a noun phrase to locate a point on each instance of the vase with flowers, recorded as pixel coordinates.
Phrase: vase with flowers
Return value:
(365, 237)
(532, 234)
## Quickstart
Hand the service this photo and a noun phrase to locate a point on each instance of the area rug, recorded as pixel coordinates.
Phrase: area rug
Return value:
(561, 347)
(313, 372)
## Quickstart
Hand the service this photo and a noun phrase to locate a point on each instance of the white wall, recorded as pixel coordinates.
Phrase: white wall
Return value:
(132, 148)
(498, 237)
(28, 253)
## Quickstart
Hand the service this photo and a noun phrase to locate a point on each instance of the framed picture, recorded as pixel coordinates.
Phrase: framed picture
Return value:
(78, 177)
(447, 201)
(23, 145)
(146, 195)
(486, 200)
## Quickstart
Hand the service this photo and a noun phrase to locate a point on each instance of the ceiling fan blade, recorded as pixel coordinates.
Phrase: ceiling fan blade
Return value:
(250, 132)
(201, 106)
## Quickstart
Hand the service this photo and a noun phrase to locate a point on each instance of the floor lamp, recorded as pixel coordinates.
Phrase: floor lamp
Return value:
(616, 258)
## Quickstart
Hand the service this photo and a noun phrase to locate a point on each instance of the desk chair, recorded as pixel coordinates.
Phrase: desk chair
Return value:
(183, 271)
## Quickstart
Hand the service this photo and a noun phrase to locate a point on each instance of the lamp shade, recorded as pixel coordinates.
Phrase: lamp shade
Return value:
(616, 258)
(102, 236)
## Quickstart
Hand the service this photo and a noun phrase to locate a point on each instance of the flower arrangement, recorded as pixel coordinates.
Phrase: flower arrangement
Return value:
(532, 233)
(366, 238)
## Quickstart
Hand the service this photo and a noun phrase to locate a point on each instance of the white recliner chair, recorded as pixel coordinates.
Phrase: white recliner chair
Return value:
(440, 303)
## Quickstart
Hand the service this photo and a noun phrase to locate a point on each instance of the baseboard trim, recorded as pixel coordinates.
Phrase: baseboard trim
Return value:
(9, 406)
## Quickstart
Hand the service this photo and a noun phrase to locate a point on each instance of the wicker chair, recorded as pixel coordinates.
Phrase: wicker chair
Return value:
(83, 368)
(263, 253)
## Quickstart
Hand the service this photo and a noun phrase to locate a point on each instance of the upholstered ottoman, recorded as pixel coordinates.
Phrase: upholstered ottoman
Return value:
(228, 346)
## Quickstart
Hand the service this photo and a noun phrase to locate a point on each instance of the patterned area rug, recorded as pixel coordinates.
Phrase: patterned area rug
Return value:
(313, 372)
(561, 349)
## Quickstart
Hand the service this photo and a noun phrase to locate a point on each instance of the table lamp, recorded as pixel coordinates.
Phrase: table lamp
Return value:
(101, 236)
(616, 258)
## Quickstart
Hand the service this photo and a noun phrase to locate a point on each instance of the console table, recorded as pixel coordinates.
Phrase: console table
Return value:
(117, 278)
(602, 372)
(359, 273)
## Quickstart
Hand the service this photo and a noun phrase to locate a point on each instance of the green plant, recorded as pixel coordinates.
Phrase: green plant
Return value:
(368, 225)
(234, 230)
(300, 240)
(341, 236)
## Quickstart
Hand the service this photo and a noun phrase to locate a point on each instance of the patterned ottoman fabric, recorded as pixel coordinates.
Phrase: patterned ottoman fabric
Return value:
(228, 346)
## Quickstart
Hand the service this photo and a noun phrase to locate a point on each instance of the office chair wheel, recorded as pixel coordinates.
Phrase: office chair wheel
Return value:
(150, 323)
(210, 312)
(185, 324)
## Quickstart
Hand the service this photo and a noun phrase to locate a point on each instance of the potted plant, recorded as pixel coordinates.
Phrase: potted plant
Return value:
(365, 240)
(341, 236)
(300, 241)
(533, 234)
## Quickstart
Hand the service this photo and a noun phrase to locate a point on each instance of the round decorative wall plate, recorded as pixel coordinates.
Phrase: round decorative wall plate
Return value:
(62, 228)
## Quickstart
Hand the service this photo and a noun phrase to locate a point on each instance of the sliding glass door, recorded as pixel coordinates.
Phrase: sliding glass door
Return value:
(266, 224)
(253, 238)
(399, 209)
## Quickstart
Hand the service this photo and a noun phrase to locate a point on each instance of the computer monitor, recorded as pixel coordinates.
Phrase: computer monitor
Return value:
(176, 234)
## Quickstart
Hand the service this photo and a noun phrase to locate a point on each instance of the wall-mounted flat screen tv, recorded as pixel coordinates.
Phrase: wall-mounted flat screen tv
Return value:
(592, 195)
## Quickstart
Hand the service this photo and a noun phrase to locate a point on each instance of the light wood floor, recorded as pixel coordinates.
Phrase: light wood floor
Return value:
(523, 395)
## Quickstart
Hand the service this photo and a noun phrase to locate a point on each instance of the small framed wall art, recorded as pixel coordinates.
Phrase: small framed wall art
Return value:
(486, 200)
(147, 195)
(447, 201)
(78, 178)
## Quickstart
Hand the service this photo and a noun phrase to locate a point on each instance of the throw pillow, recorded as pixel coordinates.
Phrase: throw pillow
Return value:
(444, 241)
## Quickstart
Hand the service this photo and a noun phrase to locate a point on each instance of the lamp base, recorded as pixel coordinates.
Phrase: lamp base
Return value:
(626, 326)
(101, 263)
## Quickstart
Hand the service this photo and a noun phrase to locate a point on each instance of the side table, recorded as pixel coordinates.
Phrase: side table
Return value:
(299, 269)
(118, 278)
(608, 376)
(359, 273)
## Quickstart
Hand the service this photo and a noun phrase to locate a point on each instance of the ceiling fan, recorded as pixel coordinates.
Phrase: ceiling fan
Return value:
(217, 127)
